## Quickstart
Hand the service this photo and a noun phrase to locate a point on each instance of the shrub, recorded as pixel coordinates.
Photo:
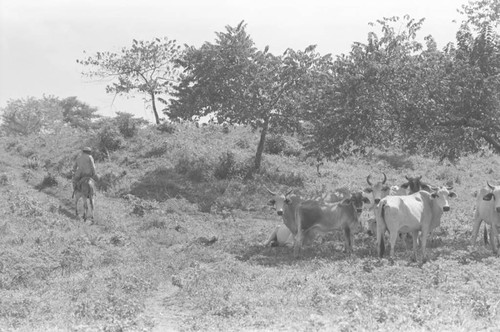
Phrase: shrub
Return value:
(275, 144)
(32, 163)
(127, 124)
(48, 181)
(109, 180)
(109, 139)
(242, 143)
(166, 127)
(226, 166)
(196, 170)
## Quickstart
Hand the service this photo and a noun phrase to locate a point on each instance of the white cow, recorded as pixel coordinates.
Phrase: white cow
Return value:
(419, 212)
(488, 209)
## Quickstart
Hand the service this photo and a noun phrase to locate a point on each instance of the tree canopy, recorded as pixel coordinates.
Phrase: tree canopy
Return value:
(146, 67)
(237, 84)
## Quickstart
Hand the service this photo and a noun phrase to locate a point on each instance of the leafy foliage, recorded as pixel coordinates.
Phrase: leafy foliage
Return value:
(237, 84)
(31, 116)
(146, 67)
(78, 114)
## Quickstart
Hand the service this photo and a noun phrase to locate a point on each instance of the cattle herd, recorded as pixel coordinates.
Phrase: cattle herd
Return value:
(414, 207)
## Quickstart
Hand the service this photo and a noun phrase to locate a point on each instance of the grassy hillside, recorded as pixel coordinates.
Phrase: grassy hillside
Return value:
(176, 242)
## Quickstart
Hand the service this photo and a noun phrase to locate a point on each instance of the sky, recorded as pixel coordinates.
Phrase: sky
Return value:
(40, 40)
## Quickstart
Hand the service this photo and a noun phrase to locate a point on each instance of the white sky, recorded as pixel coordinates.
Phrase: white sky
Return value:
(40, 40)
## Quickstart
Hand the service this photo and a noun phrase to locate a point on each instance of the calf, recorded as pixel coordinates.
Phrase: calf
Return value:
(418, 212)
(488, 209)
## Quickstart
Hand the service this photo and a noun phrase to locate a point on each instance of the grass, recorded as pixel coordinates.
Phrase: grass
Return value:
(143, 265)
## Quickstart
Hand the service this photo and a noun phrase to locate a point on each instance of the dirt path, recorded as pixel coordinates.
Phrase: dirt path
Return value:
(164, 310)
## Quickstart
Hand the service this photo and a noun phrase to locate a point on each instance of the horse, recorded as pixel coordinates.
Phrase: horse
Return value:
(86, 190)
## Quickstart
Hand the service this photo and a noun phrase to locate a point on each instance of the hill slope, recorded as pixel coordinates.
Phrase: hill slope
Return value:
(163, 265)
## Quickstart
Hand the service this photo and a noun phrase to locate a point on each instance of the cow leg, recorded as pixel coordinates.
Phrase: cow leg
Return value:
(380, 241)
(348, 240)
(494, 237)
(91, 200)
(77, 198)
(272, 237)
(414, 236)
(475, 228)
(298, 243)
(299, 236)
(425, 235)
(85, 207)
(393, 237)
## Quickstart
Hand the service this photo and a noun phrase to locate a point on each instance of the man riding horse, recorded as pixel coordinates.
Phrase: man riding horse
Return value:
(84, 167)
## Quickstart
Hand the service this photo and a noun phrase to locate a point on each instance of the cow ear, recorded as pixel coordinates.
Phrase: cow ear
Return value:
(368, 190)
(272, 202)
(426, 187)
(452, 194)
(366, 200)
(346, 201)
(488, 197)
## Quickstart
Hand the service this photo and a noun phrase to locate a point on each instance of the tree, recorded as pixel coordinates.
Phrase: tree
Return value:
(78, 114)
(31, 116)
(146, 67)
(237, 84)
(473, 107)
(365, 100)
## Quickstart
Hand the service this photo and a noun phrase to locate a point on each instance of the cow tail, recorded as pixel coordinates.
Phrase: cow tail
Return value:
(382, 219)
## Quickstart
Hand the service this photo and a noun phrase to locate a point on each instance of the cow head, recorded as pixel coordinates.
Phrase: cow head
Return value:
(441, 196)
(278, 201)
(415, 184)
(398, 191)
(494, 194)
(378, 189)
(356, 200)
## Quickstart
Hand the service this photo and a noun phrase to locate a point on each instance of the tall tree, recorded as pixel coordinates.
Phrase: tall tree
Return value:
(237, 84)
(146, 67)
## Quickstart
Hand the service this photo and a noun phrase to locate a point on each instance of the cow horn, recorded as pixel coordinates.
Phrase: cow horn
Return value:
(368, 179)
(385, 178)
(272, 193)
(406, 176)
(489, 185)
(288, 193)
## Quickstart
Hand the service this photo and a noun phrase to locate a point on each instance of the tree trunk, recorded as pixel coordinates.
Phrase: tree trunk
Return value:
(153, 102)
(260, 147)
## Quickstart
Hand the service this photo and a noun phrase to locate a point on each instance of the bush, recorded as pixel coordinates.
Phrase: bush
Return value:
(166, 127)
(242, 143)
(109, 180)
(275, 144)
(127, 124)
(109, 139)
(226, 167)
(48, 181)
(196, 170)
